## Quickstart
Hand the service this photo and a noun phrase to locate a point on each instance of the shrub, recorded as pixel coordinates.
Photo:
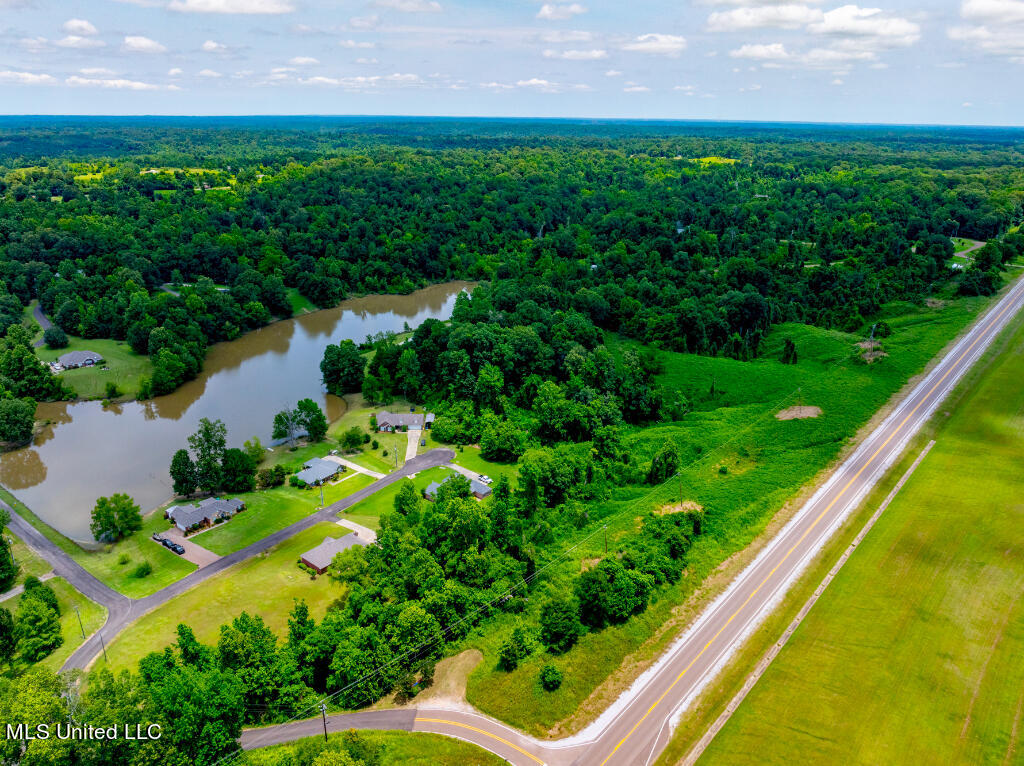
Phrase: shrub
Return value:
(111, 389)
(550, 677)
(384, 453)
(295, 481)
(375, 444)
(145, 569)
(55, 338)
(515, 649)
(723, 469)
(123, 559)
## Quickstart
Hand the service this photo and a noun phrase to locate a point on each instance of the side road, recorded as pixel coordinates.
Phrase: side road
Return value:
(122, 610)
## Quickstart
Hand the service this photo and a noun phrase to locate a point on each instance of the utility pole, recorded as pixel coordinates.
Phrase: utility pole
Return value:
(605, 539)
(321, 494)
(323, 712)
(104, 647)
(80, 626)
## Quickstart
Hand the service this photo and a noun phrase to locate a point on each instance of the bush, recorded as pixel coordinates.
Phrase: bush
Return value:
(384, 453)
(35, 588)
(515, 649)
(123, 559)
(550, 677)
(374, 444)
(111, 390)
(295, 481)
(55, 338)
(145, 569)
(723, 469)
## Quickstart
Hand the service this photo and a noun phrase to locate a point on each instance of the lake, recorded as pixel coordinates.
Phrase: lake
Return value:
(90, 451)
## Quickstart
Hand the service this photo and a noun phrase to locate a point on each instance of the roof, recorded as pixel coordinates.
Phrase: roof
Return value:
(385, 418)
(318, 469)
(79, 357)
(323, 554)
(185, 516)
(476, 487)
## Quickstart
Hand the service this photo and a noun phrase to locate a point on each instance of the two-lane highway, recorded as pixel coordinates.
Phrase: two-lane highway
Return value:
(637, 726)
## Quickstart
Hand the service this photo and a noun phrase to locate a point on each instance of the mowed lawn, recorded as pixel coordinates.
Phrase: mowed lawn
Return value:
(125, 367)
(399, 748)
(268, 511)
(265, 585)
(368, 512)
(914, 653)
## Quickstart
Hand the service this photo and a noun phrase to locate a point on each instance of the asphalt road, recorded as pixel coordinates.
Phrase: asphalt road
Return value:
(636, 728)
(44, 323)
(121, 610)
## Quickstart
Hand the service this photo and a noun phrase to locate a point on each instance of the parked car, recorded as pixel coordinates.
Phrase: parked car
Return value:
(179, 549)
(168, 543)
(157, 537)
(485, 478)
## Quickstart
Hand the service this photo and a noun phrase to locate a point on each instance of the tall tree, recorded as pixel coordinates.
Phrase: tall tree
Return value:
(8, 566)
(8, 637)
(342, 368)
(208, 445)
(37, 628)
(183, 473)
(115, 517)
(312, 418)
(17, 419)
(238, 471)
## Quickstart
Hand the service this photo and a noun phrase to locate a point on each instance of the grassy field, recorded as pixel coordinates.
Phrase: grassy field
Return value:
(265, 585)
(93, 615)
(300, 303)
(739, 462)
(960, 244)
(270, 510)
(125, 367)
(29, 562)
(367, 512)
(913, 653)
(400, 749)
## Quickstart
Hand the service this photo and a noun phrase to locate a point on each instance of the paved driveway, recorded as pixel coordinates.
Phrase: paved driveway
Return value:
(354, 466)
(194, 552)
(414, 443)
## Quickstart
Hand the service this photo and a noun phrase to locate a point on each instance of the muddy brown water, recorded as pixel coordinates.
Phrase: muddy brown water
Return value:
(90, 451)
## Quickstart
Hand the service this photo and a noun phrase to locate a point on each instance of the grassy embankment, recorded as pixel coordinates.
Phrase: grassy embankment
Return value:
(125, 368)
(740, 463)
(913, 653)
(400, 749)
(265, 585)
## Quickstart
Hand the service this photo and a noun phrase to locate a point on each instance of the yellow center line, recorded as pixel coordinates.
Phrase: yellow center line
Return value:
(531, 756)
(848, 484)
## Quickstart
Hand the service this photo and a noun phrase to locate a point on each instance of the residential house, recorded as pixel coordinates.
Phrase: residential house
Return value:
(396, 421)
(191, 517)
(478, 488)
(75, 359)
(317, 470)
(320, 557)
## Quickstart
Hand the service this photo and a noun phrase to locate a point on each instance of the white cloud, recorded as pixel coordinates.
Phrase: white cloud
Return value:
(572, 36)
(34, 44)
(613, 73)
(175, 72)
(658, 44)
(496, 85)
(140, 44)
(410, 6)
(871, 26)
(79, 27)
(993, 11)
(592, 55)
(364, 22)
(212, 46)
(759, 52)
(364, 82)
(210, 73)
(837, 81)
(967, 104)
(688, 90)
(560, 12)
(355, 44)
(782, 16)
(232, 6)
(77, 41)
(97, 71)
(538, 83)
(366, 61)
(109, 84)
(25, 78)
(634, 88)
(303, 61)
(834, 57)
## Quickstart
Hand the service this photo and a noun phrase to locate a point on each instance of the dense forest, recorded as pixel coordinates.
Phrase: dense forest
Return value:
(597, 248)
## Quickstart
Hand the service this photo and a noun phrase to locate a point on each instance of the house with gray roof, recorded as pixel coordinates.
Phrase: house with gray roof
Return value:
(396, 421)
(191, 517)
(320, 557)
(74, 359)
(477, 488)
(317, 470)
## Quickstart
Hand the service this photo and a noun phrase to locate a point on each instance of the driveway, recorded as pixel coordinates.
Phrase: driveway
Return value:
(414, 443)
(363, 533)
(194, 552)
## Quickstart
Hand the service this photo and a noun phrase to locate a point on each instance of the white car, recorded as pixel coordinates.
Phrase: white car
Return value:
(485, 478)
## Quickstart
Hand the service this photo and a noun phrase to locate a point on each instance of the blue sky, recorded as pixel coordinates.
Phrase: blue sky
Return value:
(895, 61)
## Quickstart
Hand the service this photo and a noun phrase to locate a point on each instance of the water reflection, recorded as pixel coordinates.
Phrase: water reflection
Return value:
(96, 451)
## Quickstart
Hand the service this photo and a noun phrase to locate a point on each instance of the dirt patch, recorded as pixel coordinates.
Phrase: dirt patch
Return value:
(934, 303)
(449, 687)
(586, 564)
(687, 506)
(869, 345)
(871, 350)
(798, 412)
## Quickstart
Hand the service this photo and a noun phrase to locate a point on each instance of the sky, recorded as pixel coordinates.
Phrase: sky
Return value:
(889, 61)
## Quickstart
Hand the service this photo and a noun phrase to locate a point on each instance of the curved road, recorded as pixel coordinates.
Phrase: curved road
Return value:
(121, 610)
(637, 726)
(43, 321)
